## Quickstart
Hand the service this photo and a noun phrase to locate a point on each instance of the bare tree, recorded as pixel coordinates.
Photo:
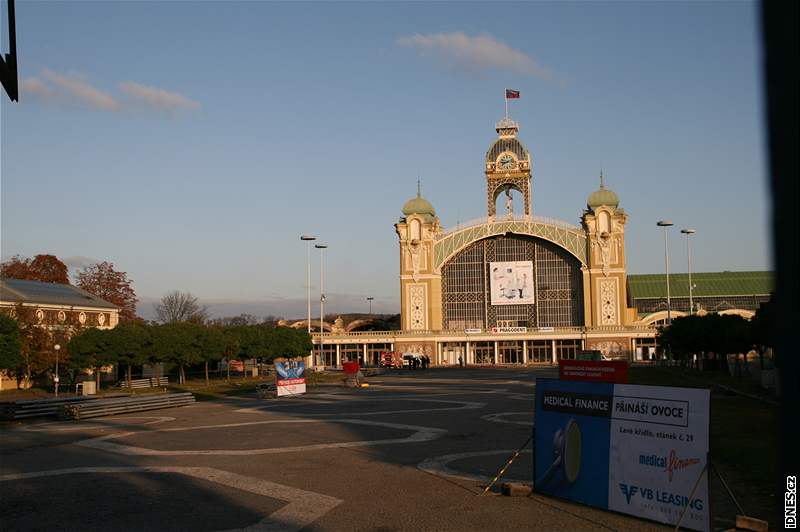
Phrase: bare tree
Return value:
(180, 307)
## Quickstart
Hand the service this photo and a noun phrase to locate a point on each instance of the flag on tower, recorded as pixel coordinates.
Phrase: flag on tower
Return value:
(511, 94)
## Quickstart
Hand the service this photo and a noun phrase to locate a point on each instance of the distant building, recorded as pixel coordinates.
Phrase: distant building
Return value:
(738, 293)
(56, 307)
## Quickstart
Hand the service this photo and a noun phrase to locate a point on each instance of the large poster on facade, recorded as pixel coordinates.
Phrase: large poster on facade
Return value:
(633, 449)
(290, 376)
(511, 283)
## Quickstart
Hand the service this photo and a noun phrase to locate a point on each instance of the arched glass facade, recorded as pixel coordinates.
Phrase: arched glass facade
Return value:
(558, 283)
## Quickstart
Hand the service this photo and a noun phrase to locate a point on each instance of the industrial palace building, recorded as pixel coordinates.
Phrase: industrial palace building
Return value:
(514, 288)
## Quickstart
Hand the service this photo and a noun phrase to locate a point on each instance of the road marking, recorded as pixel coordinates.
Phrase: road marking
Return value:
(57, 426)
(304, 507)
(464, 405)
(420, 434)
(438, 465)
(498, 418)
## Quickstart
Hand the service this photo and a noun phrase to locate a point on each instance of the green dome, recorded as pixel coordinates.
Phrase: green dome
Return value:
(418, 205)
(603, 196)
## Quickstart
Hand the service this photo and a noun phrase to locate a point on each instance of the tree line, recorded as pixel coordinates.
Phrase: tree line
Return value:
(183, 335)
(131, 344)
(715, 336)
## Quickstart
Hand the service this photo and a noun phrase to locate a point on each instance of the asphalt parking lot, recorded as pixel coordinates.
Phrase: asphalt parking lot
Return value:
(410, 452)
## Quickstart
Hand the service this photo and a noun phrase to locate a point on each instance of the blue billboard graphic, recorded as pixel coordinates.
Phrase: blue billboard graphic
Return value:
(632, 449)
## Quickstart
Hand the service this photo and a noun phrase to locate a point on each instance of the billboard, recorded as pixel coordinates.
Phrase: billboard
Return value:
(290, 375)
(511, 283)
(632, 449)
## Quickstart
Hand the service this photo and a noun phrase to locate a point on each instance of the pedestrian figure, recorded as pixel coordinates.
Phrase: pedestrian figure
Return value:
(460, 362)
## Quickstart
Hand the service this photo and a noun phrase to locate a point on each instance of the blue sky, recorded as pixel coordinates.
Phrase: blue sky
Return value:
(191, 143)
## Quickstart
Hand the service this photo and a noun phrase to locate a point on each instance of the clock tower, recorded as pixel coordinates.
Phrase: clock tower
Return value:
(508, 167)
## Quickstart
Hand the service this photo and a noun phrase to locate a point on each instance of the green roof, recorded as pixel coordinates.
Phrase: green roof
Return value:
(706, 284)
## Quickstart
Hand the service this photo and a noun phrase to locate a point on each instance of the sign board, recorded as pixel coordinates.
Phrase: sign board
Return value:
(350, 367)
(509, 330)
(511, 283)
(290, 376)
(472, 331)
(632, 449)
(590, 370)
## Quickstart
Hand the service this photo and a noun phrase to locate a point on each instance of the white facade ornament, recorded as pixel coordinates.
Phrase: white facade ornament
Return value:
(39, 315)
(415, 260)
(101, 319)
(62, 316)
(82, 318)
(608, 302)
(605, 255)
(417, 305)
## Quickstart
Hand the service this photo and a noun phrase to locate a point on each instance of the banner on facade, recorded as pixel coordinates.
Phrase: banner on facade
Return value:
(632, 449)
(511, 283)
(290, 377)
(509, 330)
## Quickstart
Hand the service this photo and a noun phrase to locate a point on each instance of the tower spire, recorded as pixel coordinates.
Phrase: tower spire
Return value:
(602, 184)
(419, 189)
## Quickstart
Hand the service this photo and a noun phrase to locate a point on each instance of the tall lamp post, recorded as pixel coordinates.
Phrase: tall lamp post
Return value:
(688, 233)
(308, 239)
(665, 224)
(56, 379)
(321, 248)
(370, 304)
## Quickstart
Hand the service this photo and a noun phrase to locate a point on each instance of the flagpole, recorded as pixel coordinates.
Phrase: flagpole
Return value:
(506, 99)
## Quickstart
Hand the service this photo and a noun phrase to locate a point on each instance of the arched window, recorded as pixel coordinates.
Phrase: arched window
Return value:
(415, 230)
(604, 222)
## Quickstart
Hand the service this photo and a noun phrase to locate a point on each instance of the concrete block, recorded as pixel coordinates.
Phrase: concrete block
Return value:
(513, 489)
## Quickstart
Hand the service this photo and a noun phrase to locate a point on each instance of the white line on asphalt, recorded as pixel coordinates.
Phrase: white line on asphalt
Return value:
(57, 426)
(498, 418)
(304, 507)
(465, 405)
(438, 465)
(420, 434)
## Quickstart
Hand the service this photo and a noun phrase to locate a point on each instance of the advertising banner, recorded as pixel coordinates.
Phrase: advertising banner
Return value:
(596, 371)
(290, 375)
(511, 283)
(632, 449)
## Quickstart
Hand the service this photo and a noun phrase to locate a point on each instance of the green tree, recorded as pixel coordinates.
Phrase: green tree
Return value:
(130, 341)
(213, 344)
(90, 350)
(11, 359)
(178, 343)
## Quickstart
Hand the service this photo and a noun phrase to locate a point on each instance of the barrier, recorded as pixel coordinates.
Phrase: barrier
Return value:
(37, 407)
(124, 405)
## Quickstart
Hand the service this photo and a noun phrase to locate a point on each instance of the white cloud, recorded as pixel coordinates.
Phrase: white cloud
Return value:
(36, 87)
(67, 89)
(158, 98)
(82, 91)
(480, 53)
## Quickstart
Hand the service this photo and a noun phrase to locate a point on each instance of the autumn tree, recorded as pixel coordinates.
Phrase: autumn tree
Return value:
(105, 282)
(178, 343)
(45, 268)
(177, 307)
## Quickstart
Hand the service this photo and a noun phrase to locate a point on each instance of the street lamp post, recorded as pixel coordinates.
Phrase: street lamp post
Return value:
(308, 239)
(665, 224)
(56, 379)
(688, 233)
(321, 248)
(370, 304)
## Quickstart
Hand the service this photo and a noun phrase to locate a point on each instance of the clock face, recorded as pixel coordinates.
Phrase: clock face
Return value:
(506, 162)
